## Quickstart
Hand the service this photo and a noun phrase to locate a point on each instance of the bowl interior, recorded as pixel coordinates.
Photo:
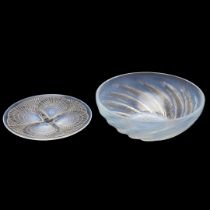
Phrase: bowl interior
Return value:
(152, 94)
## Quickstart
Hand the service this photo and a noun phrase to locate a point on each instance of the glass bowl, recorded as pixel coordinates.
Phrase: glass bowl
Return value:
(150, 106)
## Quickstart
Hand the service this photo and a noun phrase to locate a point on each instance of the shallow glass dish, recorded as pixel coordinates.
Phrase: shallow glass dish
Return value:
(150, 106)
(47, 117)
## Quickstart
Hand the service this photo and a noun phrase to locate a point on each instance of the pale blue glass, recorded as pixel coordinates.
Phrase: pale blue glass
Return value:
(47, 117)
(150, 106)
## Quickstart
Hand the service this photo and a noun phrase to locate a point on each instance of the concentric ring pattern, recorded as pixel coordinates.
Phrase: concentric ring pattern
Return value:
(47, 117)
(148, 105)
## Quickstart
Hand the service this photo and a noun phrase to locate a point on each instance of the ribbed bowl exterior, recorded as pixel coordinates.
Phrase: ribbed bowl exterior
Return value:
(150, 106)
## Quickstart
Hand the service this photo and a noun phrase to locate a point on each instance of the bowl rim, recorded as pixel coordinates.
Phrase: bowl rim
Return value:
(49, 139)
(199, 109)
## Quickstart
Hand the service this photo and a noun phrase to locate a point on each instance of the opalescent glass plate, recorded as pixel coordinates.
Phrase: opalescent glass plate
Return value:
(47, 117)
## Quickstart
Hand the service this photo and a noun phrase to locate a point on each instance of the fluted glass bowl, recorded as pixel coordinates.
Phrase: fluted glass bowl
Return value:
(150, 106)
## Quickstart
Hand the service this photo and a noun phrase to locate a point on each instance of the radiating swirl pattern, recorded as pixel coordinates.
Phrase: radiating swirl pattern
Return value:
(47, 117)
(150, 106)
